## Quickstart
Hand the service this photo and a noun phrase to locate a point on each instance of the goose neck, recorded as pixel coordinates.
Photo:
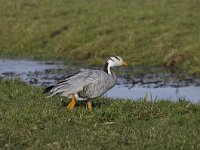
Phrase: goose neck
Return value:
(107, 68)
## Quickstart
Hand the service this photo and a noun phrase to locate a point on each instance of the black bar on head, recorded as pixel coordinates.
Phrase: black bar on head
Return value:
(117, 57)
(111, 59)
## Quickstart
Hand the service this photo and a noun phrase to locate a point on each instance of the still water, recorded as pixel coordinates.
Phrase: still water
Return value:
(153, 86)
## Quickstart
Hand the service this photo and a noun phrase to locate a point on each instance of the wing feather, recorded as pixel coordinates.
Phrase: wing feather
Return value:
(97, 87)
(76, 83)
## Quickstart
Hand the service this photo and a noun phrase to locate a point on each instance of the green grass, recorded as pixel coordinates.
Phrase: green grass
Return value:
(30, 121)
(142, 32)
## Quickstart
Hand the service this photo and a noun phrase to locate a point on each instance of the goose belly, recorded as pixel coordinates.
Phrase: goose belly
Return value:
(77, 97)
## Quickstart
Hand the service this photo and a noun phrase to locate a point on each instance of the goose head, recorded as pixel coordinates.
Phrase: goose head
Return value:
(114, 62)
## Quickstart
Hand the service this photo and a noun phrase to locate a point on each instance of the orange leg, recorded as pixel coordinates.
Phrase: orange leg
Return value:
(72, 103)
(89, 105)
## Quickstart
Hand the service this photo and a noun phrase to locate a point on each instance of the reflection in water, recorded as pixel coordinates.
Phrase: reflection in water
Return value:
(23, 66)
(153, 86)
(170, 93)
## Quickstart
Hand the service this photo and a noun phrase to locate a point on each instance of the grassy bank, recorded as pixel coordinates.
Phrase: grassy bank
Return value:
(149, 32)
(29, 120)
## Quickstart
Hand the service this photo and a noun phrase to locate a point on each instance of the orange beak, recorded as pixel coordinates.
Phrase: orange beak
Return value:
(124, 64)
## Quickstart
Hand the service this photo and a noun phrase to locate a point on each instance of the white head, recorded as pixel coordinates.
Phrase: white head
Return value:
(112, 62)
(116, 61)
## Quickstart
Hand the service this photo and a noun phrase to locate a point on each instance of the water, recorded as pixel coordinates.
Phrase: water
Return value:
(24, 66)
(154, 86)
(191, 93)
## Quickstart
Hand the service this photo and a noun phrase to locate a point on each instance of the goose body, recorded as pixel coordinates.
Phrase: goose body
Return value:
(87, 84)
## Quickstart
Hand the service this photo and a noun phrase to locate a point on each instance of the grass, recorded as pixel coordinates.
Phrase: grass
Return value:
(30, 121)
(144, 33)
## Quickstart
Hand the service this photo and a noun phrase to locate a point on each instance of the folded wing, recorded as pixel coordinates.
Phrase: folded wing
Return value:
(91, 79)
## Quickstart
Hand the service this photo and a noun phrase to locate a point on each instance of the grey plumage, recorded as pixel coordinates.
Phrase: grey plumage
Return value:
(86, 84)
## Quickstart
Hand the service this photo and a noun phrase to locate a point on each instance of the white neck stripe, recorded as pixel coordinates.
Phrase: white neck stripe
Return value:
(109, 71)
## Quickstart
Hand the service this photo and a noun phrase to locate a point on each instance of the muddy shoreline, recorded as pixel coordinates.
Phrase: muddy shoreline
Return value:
(45, 73)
